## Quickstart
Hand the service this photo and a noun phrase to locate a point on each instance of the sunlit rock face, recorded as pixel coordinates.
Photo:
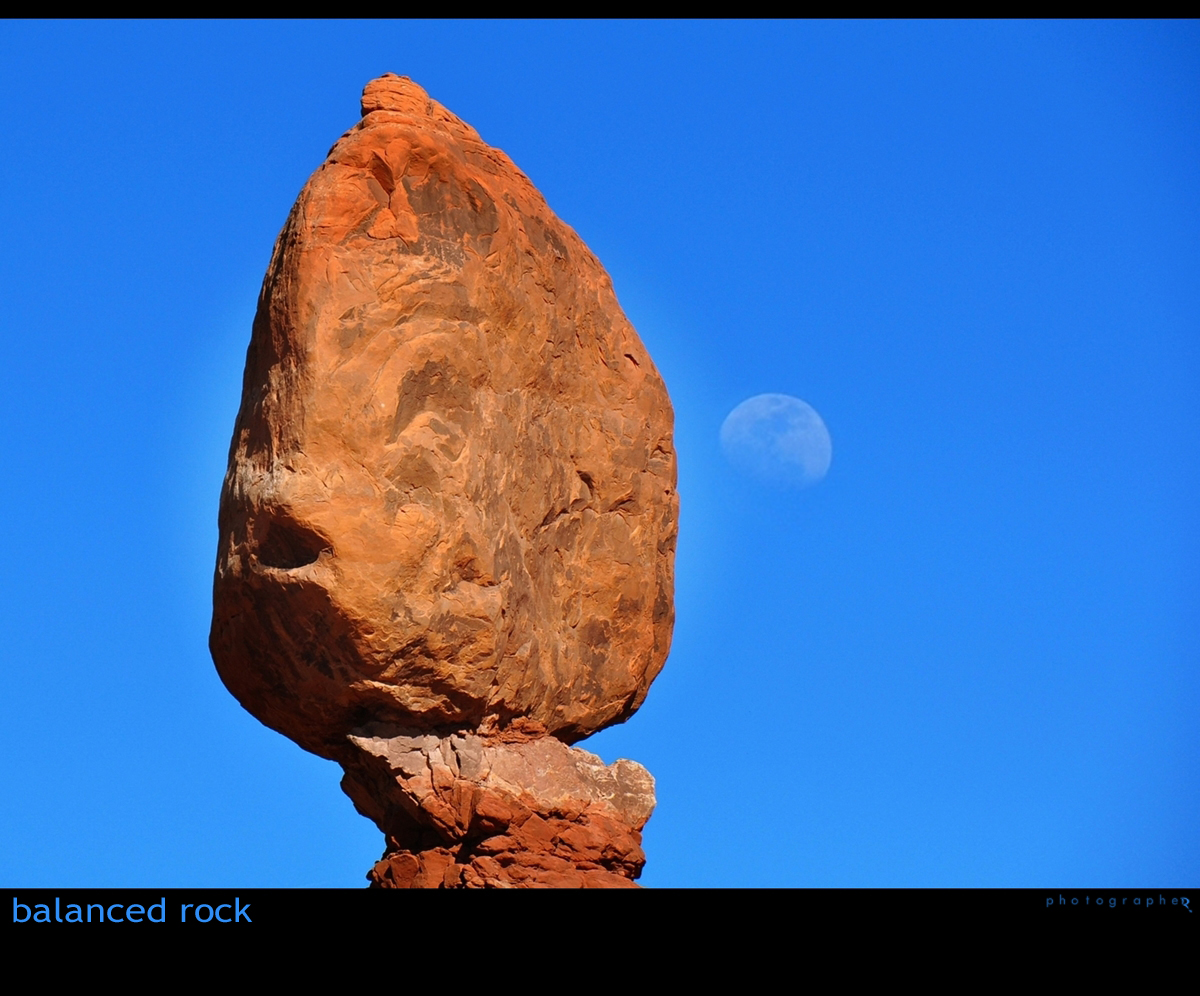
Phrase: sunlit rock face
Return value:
(450, 502)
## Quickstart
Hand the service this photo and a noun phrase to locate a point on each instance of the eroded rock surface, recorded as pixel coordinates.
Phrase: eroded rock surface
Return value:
(463, 811)
(450, 504)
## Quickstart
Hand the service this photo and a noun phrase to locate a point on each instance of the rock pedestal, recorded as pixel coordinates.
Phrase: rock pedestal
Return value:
(448, 526)
(518, 810)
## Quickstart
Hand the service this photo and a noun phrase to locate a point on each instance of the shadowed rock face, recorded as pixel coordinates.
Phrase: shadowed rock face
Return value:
(450, 504)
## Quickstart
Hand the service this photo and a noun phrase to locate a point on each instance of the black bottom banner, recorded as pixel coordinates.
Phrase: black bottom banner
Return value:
(235, 910)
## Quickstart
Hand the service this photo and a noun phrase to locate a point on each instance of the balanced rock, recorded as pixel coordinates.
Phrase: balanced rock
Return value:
(450, 506)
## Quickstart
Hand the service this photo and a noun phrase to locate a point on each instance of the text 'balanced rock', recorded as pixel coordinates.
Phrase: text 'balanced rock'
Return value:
(449, 519)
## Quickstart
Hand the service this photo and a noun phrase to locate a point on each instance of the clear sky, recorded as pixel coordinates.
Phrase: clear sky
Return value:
(967, 657)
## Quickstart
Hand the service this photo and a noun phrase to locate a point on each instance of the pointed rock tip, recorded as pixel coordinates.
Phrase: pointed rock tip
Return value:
(394, 93)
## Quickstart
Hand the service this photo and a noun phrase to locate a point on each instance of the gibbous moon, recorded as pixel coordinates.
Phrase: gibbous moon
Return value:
(779, 439)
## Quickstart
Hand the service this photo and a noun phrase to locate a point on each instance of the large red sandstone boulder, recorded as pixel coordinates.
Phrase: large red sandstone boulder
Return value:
(451, 497)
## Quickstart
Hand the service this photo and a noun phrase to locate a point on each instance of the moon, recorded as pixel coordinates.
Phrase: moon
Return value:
(778, 439)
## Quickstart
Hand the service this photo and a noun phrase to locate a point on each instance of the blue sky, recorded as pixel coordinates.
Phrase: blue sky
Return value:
(968, 657)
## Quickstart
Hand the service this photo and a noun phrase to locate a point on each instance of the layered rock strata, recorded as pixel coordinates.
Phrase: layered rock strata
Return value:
(520, 810)
(450, 509)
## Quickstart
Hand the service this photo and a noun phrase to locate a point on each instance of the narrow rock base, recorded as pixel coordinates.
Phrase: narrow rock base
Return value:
(515, 810)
